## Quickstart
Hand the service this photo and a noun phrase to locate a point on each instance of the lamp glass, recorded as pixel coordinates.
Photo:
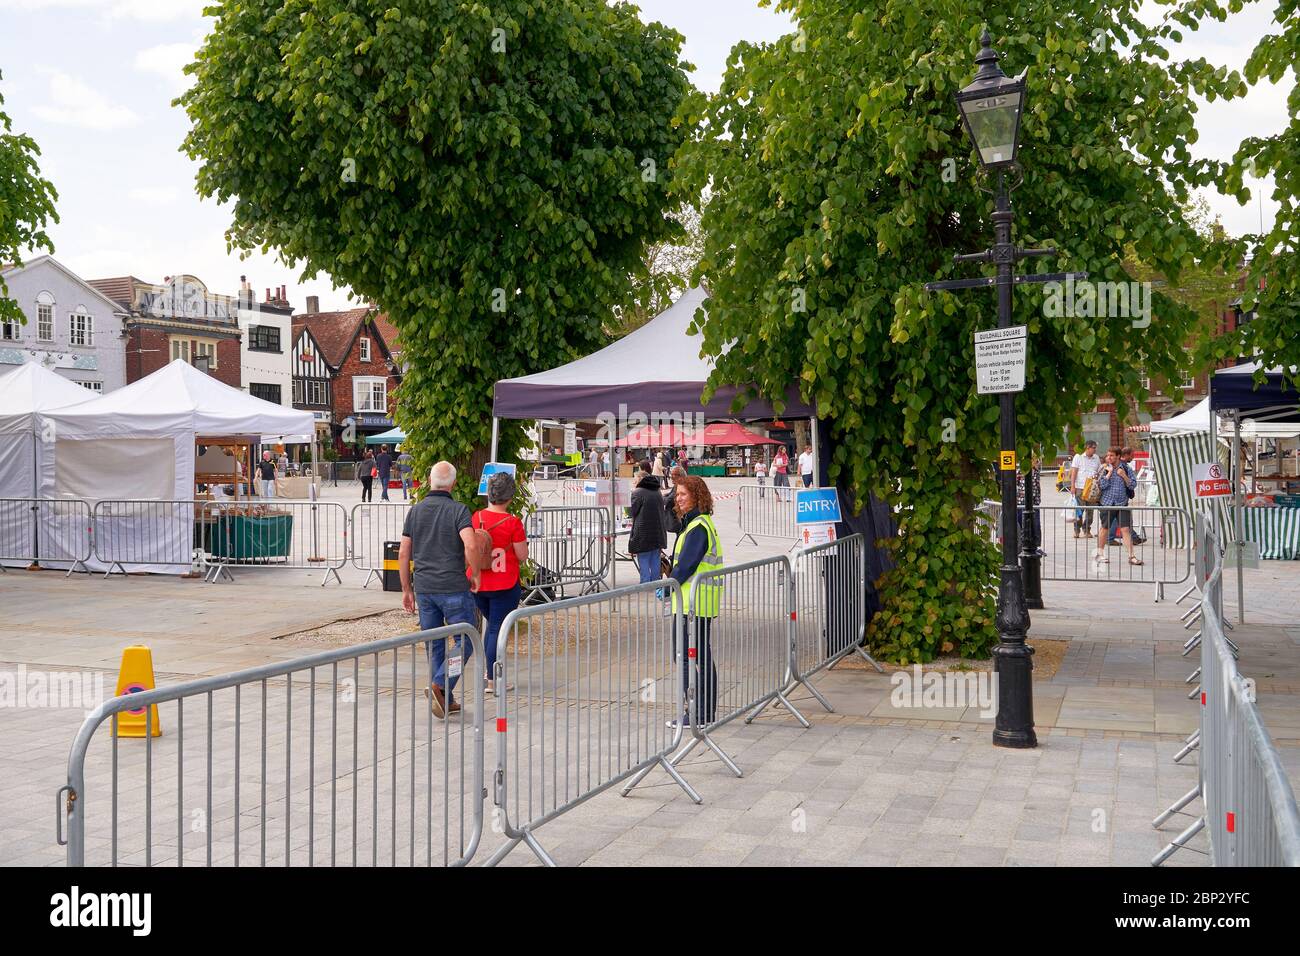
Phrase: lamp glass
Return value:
(993, 122)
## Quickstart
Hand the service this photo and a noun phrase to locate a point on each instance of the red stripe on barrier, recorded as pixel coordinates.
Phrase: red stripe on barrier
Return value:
(1232, 822)
(794, 615)
(690, 652)
(501, 725)
(1202, 698)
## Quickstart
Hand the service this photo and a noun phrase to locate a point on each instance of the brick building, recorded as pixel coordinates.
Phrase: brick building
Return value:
(362, 372)
(178, 318)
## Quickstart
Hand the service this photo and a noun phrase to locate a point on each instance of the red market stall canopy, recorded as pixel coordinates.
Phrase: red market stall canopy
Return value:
(654, 369)
(654, 436)
(727, 434)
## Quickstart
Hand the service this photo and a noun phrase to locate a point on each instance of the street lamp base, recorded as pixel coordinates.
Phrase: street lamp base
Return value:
(1015, 739)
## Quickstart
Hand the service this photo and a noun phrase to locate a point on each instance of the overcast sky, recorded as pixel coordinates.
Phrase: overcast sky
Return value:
(92, 82)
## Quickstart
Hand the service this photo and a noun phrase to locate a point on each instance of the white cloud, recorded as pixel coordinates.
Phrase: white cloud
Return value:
(153, 195)
(150, 11)
(167, 60)
(73, 103)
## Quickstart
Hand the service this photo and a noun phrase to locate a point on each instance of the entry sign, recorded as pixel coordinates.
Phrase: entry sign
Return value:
(1000, 360)
(1208, 481)
(817, 506)
(493, 468)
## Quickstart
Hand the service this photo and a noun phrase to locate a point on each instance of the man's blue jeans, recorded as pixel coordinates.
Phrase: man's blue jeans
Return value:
(437, 610)
(383, 486)
(648, 563)
(406, 486)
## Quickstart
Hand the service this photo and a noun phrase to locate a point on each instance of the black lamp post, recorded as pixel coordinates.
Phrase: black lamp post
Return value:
(991, 108)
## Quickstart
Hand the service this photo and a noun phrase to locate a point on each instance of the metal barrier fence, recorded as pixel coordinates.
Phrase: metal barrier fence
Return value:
(830, 613)
(374, 525)
(1249, 807)
(303, 535)
(143, 533)
(767, 512)
(596, 681)
(49, 532)
(569, 549)
(1071, 539)
(241, 790)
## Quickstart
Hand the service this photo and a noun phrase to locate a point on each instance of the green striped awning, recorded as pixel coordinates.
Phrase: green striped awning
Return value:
(1173, 457)
(1275, 530)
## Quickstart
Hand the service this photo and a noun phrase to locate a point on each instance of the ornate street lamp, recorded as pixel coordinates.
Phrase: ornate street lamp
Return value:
(991, 108)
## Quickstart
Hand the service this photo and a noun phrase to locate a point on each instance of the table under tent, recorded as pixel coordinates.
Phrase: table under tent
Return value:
(656, 375)
(32, 531)
(152, 449)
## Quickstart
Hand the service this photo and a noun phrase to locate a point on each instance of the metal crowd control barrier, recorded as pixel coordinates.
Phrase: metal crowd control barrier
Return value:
(1071, 555)
(1249, 808)
(740, 658)
(45, 531)
(568, 548)
(240, 788)
(252, 533)
(597, 680)
(767, 512)
(145, 533)
(830, 610)
(372, 526)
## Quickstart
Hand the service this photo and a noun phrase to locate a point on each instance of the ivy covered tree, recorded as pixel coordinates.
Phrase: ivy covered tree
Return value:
(489, 172)
(1273, 281)
(26, 205)
(841, 181)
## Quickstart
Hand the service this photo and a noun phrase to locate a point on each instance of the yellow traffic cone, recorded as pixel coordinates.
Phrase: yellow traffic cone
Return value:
(135, 675)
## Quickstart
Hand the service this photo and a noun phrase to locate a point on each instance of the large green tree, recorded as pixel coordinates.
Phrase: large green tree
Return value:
(26, 205)
(489, 172)
(1272, 289)
(842, 181)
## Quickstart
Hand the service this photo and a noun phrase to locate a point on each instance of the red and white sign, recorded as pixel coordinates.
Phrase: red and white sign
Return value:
(1208, 481)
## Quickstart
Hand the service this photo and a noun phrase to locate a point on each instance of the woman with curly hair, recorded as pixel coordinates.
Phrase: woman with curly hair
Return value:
(698, 551)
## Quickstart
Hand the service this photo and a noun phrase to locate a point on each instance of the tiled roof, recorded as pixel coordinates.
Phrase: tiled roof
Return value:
(389, 333)
(120, 289)
(333, 331)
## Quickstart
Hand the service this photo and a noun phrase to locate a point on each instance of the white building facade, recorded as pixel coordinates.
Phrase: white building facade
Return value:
(266, 346)
(71, 327)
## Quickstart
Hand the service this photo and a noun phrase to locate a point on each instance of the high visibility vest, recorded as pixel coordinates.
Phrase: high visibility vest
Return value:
(702, 599)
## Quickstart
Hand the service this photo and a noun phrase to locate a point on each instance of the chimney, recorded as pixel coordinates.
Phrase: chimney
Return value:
(313, 304)
(268, 293)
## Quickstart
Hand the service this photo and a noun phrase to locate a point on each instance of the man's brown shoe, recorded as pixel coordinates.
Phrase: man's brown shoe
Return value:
(437, 701)
(455, 706)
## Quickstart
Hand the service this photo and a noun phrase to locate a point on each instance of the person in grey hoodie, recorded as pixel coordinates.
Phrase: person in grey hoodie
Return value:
(648, 537)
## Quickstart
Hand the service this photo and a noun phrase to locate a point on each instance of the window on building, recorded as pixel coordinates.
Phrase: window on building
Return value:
(204, 350)
(1144, 380)
(180, 349)
(318, 393)
(81, 328)
(299, 392)
(9, 331)
(93, 386)
(267, 393)
(370, 395)
(264, 338)
(1190, 381)
(365, 350)
(45, 317)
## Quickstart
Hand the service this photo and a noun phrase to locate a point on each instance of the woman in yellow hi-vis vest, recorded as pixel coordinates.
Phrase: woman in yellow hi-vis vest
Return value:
(698, 550)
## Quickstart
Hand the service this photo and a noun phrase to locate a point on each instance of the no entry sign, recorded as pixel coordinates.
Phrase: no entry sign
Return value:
(1208, 481)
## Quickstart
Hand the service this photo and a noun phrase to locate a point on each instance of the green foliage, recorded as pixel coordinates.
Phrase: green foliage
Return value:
(26, 205)
(826, 155)
(1275, 332)
(448, 159)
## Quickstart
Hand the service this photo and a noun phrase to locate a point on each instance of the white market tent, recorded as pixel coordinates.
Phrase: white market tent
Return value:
(25, 392)
(1177, 445)
(1196, 419)
(138, 442)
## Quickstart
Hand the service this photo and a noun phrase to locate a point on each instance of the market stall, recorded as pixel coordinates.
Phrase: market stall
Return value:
(140, 446)
(732, 445)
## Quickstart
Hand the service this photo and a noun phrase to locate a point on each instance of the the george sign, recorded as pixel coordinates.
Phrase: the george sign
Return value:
(492, 468)
(1000, 360)
(1208, 481)
(816, 506)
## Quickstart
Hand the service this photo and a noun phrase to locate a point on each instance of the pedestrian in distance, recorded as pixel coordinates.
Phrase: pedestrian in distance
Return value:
(698, 552)
(437, 535)
(760, 475)
(266, 476)
(1083, 467)
(1115, 480)
(497, 589)
(404, 469)
(673, 521)
(383, 471)
(649, 536)
(781, 474)
(806, 466)
(366, 472)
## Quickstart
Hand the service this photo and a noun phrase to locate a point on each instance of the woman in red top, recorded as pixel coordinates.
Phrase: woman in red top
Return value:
(498, 588)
